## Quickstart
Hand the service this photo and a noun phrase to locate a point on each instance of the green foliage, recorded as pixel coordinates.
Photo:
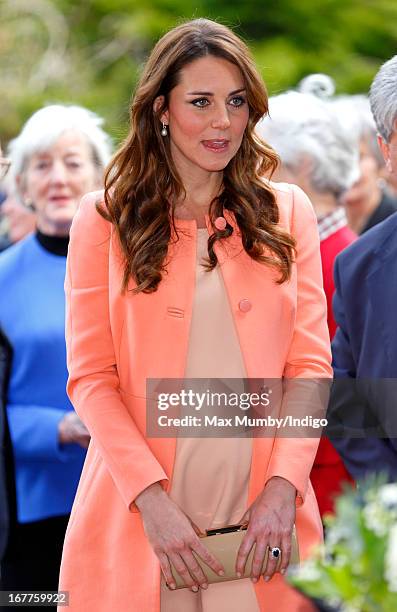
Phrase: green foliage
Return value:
(91, 52)
(357, 567)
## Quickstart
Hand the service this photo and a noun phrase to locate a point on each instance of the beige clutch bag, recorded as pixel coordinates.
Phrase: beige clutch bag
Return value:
(224, 544)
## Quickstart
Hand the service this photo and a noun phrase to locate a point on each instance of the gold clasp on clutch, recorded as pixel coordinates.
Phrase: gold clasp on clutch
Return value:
(227, 529)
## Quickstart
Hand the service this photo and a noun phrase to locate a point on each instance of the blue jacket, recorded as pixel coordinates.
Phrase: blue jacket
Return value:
(364, 397)
(32, 313)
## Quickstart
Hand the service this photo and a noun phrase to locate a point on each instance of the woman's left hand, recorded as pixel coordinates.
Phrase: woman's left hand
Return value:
(270, 522)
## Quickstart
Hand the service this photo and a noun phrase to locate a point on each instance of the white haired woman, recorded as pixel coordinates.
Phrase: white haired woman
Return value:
(369, 201)
(318, 155)
(59, 155)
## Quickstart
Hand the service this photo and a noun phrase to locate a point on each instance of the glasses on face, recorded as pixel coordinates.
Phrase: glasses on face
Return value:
(4, 166)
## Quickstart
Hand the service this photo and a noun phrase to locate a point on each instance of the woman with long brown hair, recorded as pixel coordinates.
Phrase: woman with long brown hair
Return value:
(191, 266)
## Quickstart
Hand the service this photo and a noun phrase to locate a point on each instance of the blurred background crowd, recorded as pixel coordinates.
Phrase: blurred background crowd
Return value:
(68, 70)
(91, 54)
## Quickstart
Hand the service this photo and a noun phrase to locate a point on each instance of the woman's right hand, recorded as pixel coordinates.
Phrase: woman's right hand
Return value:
(173, 537)
(71, 429)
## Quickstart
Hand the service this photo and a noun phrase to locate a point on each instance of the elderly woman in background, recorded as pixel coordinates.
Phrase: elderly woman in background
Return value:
(317, 156)
(59, 155)
(368, 201)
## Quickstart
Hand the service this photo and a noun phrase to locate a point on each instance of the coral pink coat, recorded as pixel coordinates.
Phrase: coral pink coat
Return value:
(115, 341)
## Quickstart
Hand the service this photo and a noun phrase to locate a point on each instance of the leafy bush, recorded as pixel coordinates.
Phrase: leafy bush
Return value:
(356, 569)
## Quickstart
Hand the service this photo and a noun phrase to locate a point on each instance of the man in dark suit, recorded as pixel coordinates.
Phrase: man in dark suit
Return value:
(363, 407)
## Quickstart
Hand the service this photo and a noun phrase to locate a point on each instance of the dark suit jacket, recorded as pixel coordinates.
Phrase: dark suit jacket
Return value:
(363, 406)
(7, 481)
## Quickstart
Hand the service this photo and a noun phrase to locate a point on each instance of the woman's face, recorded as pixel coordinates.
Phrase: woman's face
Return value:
(366, 189)
(207, 115)
(55, 179)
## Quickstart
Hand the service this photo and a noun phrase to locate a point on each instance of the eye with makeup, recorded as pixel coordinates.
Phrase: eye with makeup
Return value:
(236, 102)
(198, 102)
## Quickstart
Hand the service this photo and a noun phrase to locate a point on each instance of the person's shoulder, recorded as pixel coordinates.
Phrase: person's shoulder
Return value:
(376, 239)
(382, 232)
(365, 255)
(88, 220)
(10, 258)
(289, 195)
(283, 192)
(294, 206)
(89, 202)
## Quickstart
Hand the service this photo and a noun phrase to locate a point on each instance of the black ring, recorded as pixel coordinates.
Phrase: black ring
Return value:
(275, 552)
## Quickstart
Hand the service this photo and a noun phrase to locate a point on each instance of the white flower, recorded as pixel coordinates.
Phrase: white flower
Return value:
(334, 602)
(388, 495)
(338, 533)
(355, 605)
(391, 560)
(307, 571)
(377, 518)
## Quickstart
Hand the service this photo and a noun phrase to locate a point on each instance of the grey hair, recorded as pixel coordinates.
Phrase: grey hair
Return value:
(319, 84)
(44, 128)
(301, 126)
(383, 98)
(356, 118)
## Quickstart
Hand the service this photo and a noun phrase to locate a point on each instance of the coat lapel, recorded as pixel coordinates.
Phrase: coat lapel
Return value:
(382, 294)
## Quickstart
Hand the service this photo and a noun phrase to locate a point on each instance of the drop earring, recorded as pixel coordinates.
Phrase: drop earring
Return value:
(164, 131)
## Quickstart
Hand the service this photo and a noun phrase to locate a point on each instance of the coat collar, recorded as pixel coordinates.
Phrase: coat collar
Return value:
(191, 225)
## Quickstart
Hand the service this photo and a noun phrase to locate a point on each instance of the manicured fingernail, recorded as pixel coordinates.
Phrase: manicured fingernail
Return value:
(172, 586)
(282, 571)
(267, 578)
(238, 574)
(204, 585)
(195, 588)
(254, 579)
(221, 573)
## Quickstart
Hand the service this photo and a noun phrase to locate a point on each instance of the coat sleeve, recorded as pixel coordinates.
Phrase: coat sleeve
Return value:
(309, 355)
(93, 384)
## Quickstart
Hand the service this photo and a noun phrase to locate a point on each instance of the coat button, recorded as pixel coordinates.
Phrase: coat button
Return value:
(220, 223)
(244, 305)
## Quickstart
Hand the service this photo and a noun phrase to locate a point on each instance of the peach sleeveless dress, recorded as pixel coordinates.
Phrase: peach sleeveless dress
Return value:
(211, 475)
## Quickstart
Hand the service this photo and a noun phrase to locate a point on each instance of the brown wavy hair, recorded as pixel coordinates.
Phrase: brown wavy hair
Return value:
(142, 183)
